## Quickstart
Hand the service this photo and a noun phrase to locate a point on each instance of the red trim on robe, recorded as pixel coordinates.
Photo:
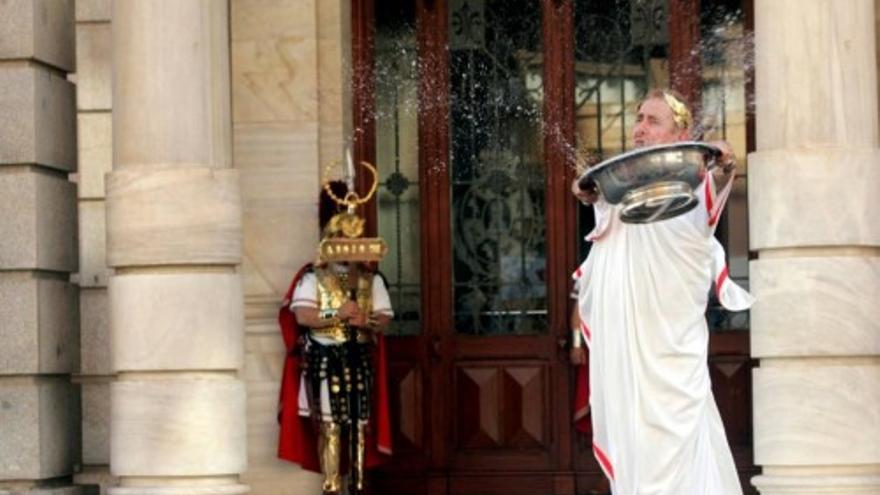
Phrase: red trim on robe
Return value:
(582, 421)
(604, 462)
(297, 440)
(707, 189)
(719, 282)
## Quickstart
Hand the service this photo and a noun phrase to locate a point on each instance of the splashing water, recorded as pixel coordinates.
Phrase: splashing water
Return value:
(726, 69)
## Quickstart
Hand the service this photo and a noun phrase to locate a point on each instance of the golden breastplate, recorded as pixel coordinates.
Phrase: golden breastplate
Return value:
(334, 289)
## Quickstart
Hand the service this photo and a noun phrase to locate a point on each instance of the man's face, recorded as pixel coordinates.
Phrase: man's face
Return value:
(655, 125)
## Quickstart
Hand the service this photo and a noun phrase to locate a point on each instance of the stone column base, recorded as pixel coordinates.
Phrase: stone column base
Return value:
(817, 485)
(180, 490)
(57, 490)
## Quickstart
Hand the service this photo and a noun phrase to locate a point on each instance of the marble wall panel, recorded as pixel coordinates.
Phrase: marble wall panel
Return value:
(829, 78)
(287, 145)
(93, 10)
(267, 473)
(93, 270)
(274, 60)
(38, 29)
(95, 145)
(815, 306)
(95, 354)
(334, 88)
(173, 216)
(278, 242)
(205, 437)
(95, 421)
(176, 321)
(811, 413)
(94, 60)
(38, 324)
(39, 117)
(827, 189)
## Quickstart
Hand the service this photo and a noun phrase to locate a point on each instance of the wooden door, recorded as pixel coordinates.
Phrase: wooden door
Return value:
(476, 113)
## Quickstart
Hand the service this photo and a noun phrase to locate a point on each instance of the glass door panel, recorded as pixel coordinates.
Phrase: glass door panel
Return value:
(497, 169)
(397, 149)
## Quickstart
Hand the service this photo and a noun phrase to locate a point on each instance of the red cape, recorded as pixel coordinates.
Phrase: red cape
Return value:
(297, 441)
(582, 399)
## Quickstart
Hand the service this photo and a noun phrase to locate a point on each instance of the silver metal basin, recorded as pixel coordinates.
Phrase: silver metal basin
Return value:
(653, 183)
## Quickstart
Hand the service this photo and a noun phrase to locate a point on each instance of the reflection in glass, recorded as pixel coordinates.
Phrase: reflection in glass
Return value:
(397, 162)
(497, 170)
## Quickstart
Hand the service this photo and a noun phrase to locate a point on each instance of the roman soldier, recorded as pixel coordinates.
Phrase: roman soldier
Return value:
(333, 404)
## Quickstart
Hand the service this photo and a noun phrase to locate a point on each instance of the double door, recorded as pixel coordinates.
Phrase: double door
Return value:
(477, 114)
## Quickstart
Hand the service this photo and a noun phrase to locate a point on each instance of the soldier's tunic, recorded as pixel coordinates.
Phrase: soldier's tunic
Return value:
(336, 384)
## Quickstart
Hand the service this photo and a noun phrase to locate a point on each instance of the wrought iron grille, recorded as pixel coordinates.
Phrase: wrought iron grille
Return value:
(497, 170)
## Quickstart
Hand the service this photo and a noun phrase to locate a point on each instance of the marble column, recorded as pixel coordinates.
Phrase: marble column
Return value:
(39, 333)
(174, 244)
(813, 185)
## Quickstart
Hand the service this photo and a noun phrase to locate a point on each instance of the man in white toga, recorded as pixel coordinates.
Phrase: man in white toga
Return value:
(643, 291)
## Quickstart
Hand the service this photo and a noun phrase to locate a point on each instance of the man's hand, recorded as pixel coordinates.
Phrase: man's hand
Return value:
(359, 320)
(726, 162)
(348, 311)
(578, 356)
(586, 196)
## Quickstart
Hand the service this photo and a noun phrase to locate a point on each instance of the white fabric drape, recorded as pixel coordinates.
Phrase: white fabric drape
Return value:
(642, 297)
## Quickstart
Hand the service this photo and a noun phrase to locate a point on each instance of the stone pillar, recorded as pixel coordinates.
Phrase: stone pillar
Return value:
(174, 244)
(39, 333)
(812, 198)
(95, 157)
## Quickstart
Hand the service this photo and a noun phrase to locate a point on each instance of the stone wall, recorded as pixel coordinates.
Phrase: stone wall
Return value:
(39, 331)
(290, 122)
(94, 95)
(812, 193)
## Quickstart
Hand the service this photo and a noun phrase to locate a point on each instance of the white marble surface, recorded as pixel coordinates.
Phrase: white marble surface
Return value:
(813, 197)
(818, 483)
(274, 60)
(176, 321)
(816, 81)
(93, 10)
(186, 91)
(95, 354)
(95, 146)
(93, 270)
(178, 426)
(815, 306)
(95, 421)
(94, 56)
(812, 413)
(160, 216)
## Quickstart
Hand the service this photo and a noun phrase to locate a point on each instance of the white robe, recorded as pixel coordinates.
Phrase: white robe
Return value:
(643, 292)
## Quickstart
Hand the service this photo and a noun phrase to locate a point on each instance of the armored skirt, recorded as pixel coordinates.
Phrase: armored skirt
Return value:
(337, 379)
